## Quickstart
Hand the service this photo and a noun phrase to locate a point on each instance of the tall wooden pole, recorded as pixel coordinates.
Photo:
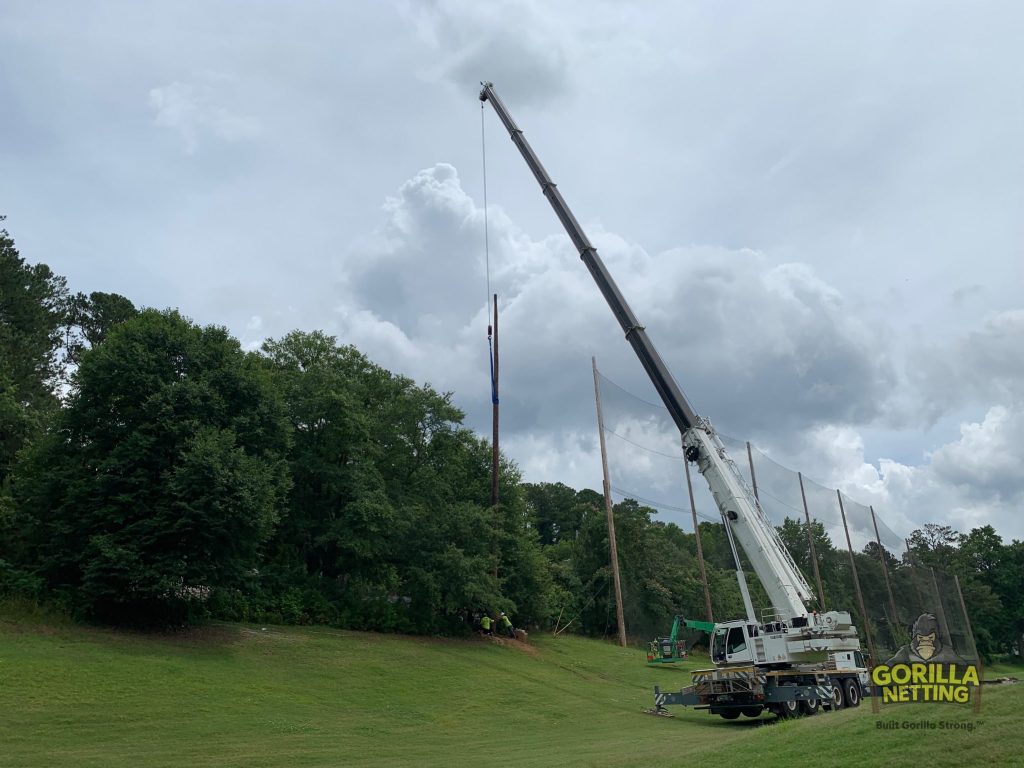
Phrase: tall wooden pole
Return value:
(495, 453)
(619, 619)
(810, 541)
(753, 477)
(970, 633)
(885, 573)
(943, 624)
(700, 549)
(914, 571)
(860, 596)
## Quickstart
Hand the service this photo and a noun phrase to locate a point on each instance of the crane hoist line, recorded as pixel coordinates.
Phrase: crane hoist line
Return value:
(792, 658)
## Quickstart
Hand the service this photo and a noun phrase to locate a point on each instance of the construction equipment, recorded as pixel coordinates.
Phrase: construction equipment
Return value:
(669, 650)
(791, 659)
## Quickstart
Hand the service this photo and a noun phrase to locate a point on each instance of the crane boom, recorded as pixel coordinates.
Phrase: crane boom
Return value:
(673, 397)
(786, 587)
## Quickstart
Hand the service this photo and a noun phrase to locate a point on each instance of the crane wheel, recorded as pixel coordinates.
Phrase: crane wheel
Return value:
(752, 711)
(730, 714)
(851, 693)
(787, 709)
(836, 702)
(810, 706)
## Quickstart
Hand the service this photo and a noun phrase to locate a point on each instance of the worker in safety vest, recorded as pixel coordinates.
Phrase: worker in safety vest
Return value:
(485, 624)
(506, 625)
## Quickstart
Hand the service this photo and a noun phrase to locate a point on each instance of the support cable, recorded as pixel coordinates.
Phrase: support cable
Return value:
(487, 245)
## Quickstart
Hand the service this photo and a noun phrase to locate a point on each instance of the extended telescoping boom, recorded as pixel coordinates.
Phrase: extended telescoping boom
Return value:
(791, 633)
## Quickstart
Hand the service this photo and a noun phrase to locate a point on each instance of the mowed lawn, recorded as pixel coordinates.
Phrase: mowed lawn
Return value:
(232, 695)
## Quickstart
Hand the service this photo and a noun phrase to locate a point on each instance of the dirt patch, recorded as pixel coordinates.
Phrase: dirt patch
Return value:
(518, 645)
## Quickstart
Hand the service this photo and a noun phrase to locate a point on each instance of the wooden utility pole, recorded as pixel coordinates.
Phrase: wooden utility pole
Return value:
(943, 624)
(914, 577)
(885, 572)
(495, 454)
(753, 477)
(619, 619)
(860, 597)
(810, 541)
(700, 549)
(976, 696)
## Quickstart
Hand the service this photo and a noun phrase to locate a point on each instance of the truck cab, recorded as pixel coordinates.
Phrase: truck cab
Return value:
(732, 643)
(853, 660)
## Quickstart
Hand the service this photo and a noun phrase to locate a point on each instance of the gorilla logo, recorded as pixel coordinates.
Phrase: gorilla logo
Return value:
(926, 645)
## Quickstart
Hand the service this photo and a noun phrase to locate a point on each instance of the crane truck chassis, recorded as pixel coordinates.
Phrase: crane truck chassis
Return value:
(786, 692)
(793, 658)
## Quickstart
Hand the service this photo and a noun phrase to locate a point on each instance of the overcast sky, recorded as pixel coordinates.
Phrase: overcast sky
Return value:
(814, 208)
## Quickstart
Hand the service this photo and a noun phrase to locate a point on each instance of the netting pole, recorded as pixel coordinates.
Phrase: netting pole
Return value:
(970, 634)
(860, 596)
(810, 541)
(914, 569)
(947, 638)
(700, 549)
(753, 477)
(609, 512)
(885, 572)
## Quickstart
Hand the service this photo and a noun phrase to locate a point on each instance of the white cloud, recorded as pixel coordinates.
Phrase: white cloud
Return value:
(191, 110)
(975, 480)
(739, 330)
(765, 348)
(987, 462)
(512, 43)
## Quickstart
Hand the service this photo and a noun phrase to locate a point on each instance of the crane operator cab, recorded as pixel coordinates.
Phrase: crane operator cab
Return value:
(730, 643)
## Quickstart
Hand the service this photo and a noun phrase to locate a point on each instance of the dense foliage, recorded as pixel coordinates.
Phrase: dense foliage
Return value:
(151, 471)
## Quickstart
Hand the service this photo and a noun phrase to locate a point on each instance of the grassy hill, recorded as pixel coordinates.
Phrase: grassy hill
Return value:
(237, 695)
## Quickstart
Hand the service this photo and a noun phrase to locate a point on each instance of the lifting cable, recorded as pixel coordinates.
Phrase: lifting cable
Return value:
(487, 259)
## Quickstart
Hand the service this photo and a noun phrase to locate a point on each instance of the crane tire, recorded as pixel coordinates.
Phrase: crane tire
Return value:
(851, 692)
(810, 706)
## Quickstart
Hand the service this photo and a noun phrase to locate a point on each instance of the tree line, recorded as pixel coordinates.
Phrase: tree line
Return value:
(153, 472)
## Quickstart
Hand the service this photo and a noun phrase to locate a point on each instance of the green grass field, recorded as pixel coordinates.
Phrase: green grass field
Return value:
(238, 696)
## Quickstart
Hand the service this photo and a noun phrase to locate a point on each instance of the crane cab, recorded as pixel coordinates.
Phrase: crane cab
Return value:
(733, 643)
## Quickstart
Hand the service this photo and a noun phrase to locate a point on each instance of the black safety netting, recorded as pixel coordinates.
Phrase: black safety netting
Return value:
(646, 465)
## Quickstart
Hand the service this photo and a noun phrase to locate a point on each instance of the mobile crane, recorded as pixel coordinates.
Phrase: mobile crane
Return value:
(790, 661)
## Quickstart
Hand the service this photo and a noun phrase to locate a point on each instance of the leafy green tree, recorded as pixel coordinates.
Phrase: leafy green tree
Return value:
(556, 511)
(934, 545)
(90, 318)
(389, 524)
(1009, 586)
(33, 303)
(338, 510)
(164, 475)
(32, 307)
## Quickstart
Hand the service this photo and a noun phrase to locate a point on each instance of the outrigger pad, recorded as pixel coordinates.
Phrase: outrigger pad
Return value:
(659, 711)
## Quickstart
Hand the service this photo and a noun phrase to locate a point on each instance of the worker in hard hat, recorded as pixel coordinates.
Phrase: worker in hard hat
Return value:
(485, 625)
(506, 625)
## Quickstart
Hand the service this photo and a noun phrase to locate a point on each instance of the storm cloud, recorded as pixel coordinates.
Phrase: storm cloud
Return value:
(814, 210)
